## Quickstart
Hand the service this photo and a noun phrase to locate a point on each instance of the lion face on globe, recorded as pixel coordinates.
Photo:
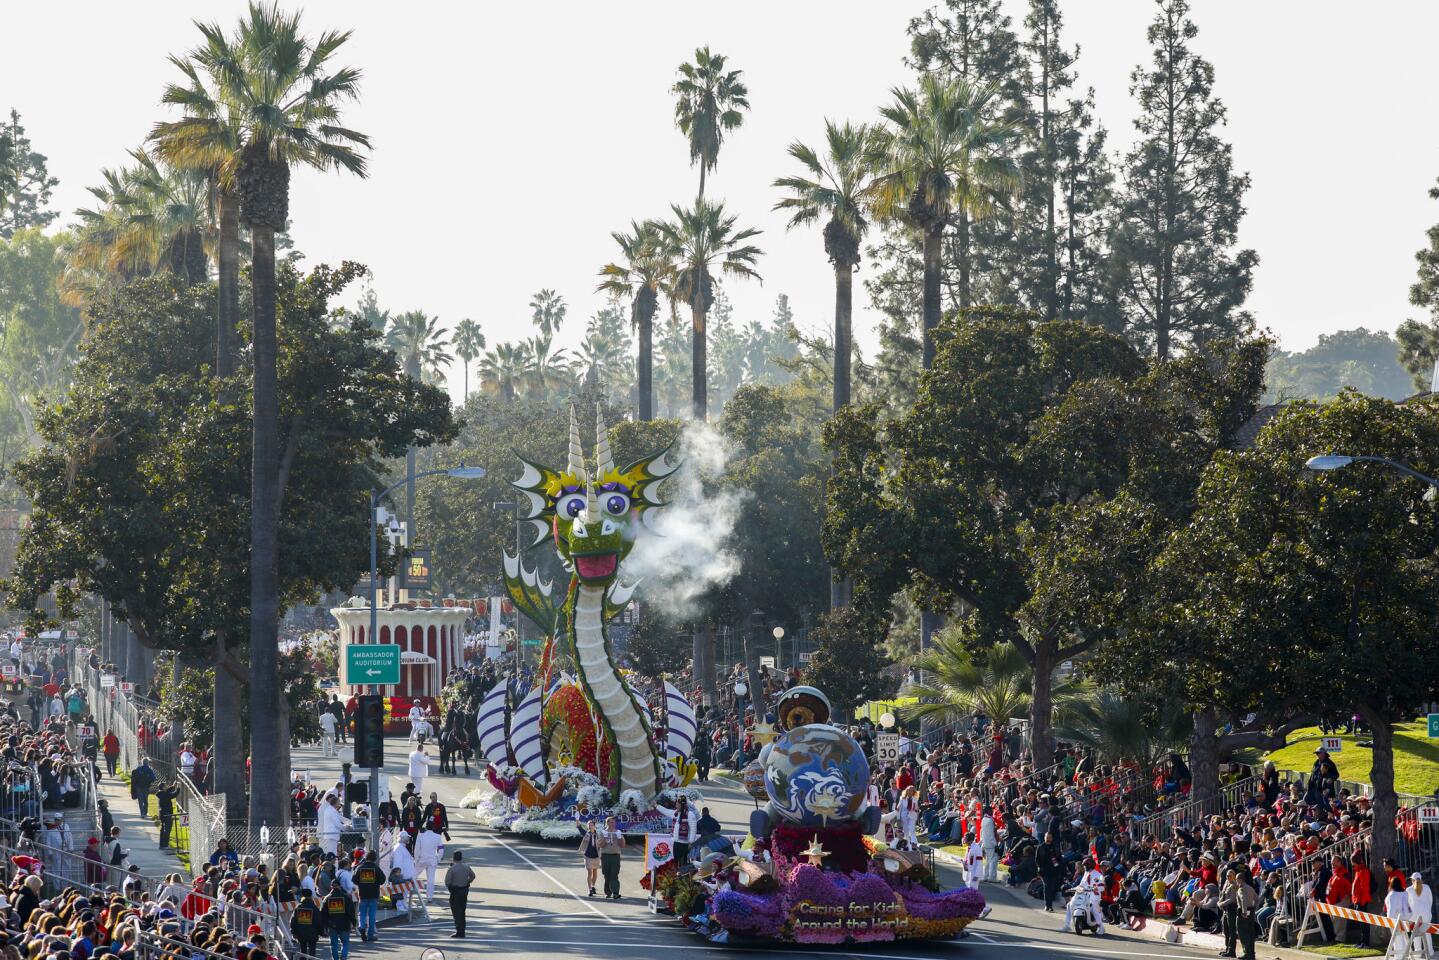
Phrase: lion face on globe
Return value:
(815, 775)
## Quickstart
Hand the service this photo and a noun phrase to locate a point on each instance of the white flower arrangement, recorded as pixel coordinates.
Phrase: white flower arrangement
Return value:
(593, 797)
(562, 830)
(477, 796)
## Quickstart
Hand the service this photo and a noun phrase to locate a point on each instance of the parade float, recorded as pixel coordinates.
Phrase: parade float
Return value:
(573, 748)
(810, 872)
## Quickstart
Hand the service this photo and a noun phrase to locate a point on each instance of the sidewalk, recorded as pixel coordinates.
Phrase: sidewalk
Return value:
(139, 835)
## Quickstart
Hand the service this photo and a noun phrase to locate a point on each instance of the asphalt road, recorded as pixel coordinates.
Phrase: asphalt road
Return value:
(529, 899)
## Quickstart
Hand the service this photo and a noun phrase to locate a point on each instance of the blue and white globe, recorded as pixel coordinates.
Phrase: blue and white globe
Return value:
(815, 775)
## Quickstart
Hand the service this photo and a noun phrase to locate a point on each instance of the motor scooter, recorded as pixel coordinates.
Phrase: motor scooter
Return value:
(1079, 911)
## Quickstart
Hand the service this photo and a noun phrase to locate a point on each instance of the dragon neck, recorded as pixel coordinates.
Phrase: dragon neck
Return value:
(624, 723)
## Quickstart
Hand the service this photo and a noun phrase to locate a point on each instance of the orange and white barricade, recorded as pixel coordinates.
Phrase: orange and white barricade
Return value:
(1406, 928)
(408, 891)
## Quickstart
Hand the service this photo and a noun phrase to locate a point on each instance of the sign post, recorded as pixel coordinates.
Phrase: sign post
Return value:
(1332, 744)
(886, 749)
(1433, 725)
(372, 663)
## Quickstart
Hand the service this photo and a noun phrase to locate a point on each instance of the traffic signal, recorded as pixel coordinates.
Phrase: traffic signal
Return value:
(369, 731)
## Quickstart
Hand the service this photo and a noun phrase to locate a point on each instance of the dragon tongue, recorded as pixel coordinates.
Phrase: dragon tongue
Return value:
(597, 566)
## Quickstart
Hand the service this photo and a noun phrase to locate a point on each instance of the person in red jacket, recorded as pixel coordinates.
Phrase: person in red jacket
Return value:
(1341, 884)
(110, 747)
(1360, 893)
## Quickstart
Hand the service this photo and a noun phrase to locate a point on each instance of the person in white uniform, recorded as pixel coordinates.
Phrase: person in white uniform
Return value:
(909, 816)
(1396, 907)
(419, 723)
(419, 768)
(327, 733)
(989, 840)
(1421, 911)
(331, 822)
(429, 848)
(1092, 883)
(973, 863)
(400, 857)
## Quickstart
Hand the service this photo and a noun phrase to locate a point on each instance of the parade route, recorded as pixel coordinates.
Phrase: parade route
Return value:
(529, 898)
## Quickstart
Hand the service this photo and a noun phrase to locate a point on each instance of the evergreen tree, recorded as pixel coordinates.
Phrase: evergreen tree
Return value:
(1052, 265)
(27, 181)
(1180, 277)
(727, 351)
(1418, 339)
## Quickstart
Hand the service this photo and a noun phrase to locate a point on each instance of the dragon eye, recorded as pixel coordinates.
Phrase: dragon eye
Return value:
(569, 506)
(617, 504)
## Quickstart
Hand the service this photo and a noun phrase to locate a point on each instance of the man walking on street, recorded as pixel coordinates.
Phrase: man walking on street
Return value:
(457, 880)
(337, 710)
(611, 844)
(328, 725)
(429, 848)
(419, 766)
(142, 778)
(367, 883)
(339, 911)
(305, 923)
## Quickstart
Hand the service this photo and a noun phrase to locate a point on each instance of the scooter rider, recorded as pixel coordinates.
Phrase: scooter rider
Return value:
(1087, 891)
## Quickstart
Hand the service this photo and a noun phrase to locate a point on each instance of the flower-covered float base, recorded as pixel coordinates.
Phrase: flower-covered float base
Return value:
(580, 799)
(863, 897)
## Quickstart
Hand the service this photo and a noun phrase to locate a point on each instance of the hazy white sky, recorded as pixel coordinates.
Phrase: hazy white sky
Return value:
(511, 138)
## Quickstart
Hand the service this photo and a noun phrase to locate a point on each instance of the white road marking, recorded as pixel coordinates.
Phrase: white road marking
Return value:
(549, 876)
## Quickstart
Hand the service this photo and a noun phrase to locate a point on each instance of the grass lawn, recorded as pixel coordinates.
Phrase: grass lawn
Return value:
(1416, 758)
(1344, 950)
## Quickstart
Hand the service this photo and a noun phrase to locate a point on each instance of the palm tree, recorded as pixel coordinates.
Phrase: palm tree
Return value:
(942, 158)
(646, 270)
(709, 103)
(273, 102)
(151, 218)
(704, 241)
(1115, 728)
(468, 343)
(542, 367)
(422, 346)
(501, 370)
(997, 683)
(548, 312)
(834, 187)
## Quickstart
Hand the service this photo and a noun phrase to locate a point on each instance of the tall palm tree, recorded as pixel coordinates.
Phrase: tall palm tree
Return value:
(548, 312)
(645, 270)
(422, 345)
(542, 367)
(469, 342)
(1115, 728)
(703, 242)
(273, 102)
(942, 158)
(708, 105)
(834, 187)
(501, 370)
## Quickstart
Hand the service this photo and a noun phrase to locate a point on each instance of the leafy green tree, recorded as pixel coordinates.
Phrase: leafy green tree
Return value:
(1419, 339)
(155, 518)
(25, 181)
(1361, 359)
(657, 647)
(644, 271)
(834, 187)
(1181, 279)
(941, 157)
(705, 243)
(605, 354)
(469, 343)
(39, 333)
(850, 665)
(1327, 579)
(709, 101)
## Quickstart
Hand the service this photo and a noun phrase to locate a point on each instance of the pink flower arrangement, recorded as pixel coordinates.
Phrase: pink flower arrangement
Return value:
(748, 913)
(954, 904)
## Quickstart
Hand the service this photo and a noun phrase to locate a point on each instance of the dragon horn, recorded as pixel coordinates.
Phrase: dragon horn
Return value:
(604, 462)
(592, 507)
(577, 457)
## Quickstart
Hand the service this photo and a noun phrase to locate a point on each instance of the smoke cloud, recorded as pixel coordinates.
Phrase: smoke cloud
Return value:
(693, 551)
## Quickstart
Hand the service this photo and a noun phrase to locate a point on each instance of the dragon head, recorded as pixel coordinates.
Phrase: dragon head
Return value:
(593, 516)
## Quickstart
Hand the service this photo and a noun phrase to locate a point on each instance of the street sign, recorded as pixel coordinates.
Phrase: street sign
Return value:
(107, 681)
(127, 688)
(766, 662)
(886, 749)
(1332, 744)
(84, 733)
(372, 663)
(806, 657)
(1429, 814)
(9, 670)
(1434, 725)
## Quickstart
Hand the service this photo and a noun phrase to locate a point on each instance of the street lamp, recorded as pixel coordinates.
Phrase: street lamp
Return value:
(461, 472)
(1339, 461)
(778, 640)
